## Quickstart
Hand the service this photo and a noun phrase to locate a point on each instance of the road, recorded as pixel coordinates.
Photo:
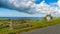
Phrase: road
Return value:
(48, 30)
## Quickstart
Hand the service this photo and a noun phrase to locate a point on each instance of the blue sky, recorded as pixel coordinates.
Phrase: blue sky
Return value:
(13, 13)
(46, 1)
(4, 12)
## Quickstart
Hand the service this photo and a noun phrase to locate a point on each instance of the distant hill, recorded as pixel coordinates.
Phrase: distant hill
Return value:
(17, 18)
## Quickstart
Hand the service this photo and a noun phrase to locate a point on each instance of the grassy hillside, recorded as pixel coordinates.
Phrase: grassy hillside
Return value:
(24, 25)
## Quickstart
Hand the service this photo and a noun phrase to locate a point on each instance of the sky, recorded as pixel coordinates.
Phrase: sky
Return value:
(29, 8)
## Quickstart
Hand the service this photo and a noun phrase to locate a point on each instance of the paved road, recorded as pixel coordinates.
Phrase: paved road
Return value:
(48, 30)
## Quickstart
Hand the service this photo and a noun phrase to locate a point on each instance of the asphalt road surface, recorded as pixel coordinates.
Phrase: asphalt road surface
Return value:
(48, 30)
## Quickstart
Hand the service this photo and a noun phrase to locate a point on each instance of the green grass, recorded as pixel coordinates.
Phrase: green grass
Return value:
(22, 27)
(40, 24)
(44, 23)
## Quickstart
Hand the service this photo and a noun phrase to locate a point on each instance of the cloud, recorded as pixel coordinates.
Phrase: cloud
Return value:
(58, 8)
(58, 2)
(19, 5)
(30, 7)
(44, 8)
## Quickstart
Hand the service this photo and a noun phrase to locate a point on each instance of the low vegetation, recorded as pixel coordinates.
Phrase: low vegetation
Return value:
(8, 26)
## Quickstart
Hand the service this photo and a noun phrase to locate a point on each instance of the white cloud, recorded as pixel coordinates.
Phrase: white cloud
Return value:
(30, 7)
(18, 3)
(23, 5)
(58, 8)
(58, 2)
(45, 8)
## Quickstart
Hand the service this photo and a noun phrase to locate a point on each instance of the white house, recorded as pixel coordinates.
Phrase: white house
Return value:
(48, 17)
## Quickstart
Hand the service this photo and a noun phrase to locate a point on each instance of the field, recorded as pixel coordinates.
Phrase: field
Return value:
(8, 26)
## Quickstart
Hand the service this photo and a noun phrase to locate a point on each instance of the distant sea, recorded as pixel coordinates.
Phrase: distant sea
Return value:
(17, 18)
